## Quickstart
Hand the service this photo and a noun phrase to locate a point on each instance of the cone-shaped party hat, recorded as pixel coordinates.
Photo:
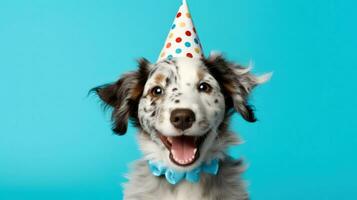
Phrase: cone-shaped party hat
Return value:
(182, 40)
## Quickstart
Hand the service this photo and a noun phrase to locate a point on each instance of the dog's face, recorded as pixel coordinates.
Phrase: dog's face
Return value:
(182, 104)
(181, 107)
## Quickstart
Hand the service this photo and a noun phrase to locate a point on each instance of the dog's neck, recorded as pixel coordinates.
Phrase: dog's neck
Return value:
(173, 176)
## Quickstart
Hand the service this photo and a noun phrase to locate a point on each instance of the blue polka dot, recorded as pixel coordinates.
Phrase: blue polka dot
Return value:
(173, 26)
(178, 50)
(169, 57)
(187, 44)
(196, 40)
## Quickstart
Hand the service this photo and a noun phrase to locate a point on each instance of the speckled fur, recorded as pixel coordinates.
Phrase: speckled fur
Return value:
(131, 98)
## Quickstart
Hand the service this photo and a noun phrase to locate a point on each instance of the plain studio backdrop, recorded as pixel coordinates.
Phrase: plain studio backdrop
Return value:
(56, 142)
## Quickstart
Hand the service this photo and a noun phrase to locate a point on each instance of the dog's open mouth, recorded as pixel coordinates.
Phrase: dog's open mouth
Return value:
(184, 150)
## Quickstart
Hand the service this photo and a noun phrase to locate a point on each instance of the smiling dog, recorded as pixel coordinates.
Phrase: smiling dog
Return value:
(182, 106)
(182, 109)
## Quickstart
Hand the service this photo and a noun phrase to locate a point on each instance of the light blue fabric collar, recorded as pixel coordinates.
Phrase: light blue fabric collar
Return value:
(193, 176)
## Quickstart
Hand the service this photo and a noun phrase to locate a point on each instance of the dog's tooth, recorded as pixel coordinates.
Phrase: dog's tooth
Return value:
(194, 151)
(174, 157)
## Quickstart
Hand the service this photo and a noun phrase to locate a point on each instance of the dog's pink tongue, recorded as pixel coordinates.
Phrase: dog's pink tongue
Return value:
(183, 148)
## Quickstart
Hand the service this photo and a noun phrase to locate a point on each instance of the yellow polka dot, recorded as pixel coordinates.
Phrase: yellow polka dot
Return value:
(188, 15)
(171, 35)
(162, 54)
(182, 24)
(197, 50)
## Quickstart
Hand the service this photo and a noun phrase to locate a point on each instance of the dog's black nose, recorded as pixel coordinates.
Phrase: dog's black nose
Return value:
(182, 118)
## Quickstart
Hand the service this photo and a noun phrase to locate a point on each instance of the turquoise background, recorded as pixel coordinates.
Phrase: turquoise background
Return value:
(56, 143)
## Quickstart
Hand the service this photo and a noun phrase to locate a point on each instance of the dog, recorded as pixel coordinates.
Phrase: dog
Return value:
(182, 110)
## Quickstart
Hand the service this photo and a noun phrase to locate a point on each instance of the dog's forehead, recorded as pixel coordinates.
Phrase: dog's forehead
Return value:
(183, 69)
(190, 69)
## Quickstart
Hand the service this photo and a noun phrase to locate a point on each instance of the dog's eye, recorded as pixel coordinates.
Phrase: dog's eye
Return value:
(157, 91)
(204, 87)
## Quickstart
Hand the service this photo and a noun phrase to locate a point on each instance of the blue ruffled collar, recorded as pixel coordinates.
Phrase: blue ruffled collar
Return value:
(193, 176)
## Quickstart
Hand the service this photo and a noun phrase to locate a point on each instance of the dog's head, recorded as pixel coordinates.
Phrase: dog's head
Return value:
(181, 107)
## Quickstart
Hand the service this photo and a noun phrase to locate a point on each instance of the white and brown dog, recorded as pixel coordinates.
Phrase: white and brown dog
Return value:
(182, 109)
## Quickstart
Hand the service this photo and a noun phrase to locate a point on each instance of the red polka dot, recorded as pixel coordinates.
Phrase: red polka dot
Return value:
(194, 29)
(188, 33)
(178, 40)
(189, 55)
(178, 15)
(168, 45)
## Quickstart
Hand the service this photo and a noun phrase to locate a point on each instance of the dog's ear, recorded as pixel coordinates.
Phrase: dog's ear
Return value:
(236, 83)
(123, 96)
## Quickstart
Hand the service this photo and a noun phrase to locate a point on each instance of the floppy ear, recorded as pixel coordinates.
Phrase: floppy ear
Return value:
(236, 83)
(123, 96)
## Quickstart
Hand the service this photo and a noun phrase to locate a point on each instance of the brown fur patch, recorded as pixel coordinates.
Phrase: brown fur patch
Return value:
(159, 78)
(230, 88)
(137, 91)
(200, 74)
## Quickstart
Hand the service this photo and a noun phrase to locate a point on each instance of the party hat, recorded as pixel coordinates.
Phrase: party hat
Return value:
(182, 40)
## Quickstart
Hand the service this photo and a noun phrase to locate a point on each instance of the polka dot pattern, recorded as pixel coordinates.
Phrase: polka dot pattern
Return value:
(182, 40)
